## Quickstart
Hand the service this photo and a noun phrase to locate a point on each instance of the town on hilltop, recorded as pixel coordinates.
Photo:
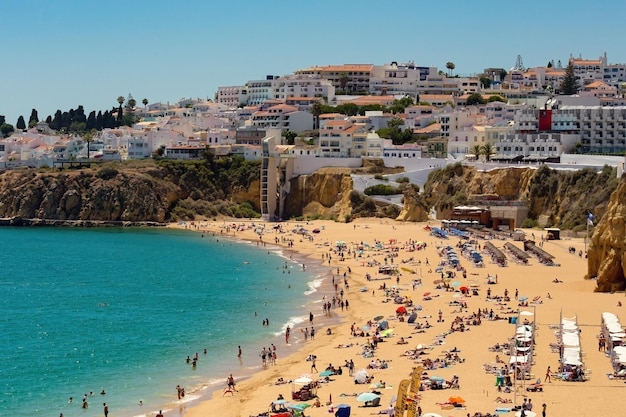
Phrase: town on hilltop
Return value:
(416, 117)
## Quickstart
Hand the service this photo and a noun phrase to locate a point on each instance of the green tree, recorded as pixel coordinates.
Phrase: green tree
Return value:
(569, 85)
(120, 100)
(485, 82)
(145, 103)
(477, 150)
(33, 119)
(474, 99)
(503, 75)
(88, 138)
(450, 66)
(316, 111)
(92, 122)
(488, 151)
(349, 109)
(401, 104)
(343, 81)
(6, 129)
(491, 99)
(290, 137)
(21, 124)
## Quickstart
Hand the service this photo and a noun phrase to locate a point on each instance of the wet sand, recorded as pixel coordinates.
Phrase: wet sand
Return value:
(573, 296)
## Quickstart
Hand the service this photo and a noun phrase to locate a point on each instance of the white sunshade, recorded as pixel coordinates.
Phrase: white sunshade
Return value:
(614, 328)
(619, 350)
(518, 359)
(526, 313)
(572, 361)
(571, 339)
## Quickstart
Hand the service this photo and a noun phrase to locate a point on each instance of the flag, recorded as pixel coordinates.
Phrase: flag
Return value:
(590, 218)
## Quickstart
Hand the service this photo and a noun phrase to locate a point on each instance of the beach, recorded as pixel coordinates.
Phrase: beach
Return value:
(456, 345)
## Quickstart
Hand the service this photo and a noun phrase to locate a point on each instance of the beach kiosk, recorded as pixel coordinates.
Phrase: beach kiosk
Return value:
(303, 389)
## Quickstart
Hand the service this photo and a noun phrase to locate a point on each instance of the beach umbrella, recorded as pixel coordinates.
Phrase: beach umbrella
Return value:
(326, 373)
(463, 288)
(457, 295)
(427, 293)
(401, 310)
(365, 328)
(303, 380)
(412, 317)
(343, 405)
(361, 376)
(436, 378)
(367, 396)
(456, 284)
(378, 318)
(456, 400)
(431, 415)
(437, 281)
(281, 402)
(383, 325)
(523, 298)
(526, 313)
(299, 407)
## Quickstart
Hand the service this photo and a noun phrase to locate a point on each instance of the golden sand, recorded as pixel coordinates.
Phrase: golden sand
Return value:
(574, 296)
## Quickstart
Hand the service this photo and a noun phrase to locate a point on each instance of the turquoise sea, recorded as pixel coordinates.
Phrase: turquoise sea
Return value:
(86, 310)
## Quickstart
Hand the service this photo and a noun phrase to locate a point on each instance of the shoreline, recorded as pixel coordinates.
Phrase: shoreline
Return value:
(571, 296)
(27, 222)
(208, 391)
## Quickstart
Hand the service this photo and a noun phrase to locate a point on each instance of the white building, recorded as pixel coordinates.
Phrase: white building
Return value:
(283, 117)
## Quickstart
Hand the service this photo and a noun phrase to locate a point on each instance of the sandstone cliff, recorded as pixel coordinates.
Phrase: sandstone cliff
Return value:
(145, 191)
(80, 195)
(325, 193)
(607, 252)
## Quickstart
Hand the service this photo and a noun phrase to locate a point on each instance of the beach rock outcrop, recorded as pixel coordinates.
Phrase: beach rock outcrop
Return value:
(415, 208)
(87, 196)
(323, 193)
(607, 252)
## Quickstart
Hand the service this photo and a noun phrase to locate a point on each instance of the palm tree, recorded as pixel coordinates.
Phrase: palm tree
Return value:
(343, 81)
(316, 110)
(477, 150)
(488, 151)
(450, 66)
(120, 100)
(145, 103)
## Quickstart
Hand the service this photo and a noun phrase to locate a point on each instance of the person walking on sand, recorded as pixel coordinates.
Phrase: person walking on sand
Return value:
(230, 382)
(106, 409)
(543, 410)
(313, 365)
(548, 377)
(287, 332)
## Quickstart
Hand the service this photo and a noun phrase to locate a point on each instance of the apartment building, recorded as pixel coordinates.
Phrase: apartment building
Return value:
(348, 78)
(398, 79)
(283, 117)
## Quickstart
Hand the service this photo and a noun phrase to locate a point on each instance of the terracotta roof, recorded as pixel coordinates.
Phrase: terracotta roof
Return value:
(351, 129)
(345, 123)
(364, 100)
(285, 107)
(436, 97)
(331, 115)
(429, 129)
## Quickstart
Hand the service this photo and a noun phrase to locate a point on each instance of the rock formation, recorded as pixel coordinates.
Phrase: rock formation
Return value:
(79, 195)
(324, 193)
(607, 252)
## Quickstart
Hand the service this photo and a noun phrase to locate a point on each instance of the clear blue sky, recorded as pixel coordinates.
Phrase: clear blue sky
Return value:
(64, 53)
